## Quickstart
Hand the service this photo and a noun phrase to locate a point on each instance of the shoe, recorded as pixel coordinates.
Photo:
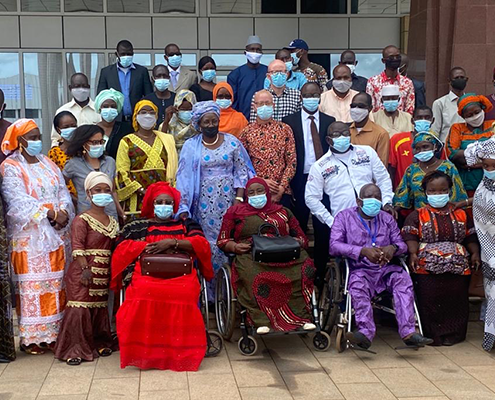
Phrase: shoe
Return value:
(358, 339)
(263, 330)
(417, 340)
(309, 327)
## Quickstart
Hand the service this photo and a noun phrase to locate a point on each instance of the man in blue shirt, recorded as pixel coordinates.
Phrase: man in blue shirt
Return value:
(249, 78)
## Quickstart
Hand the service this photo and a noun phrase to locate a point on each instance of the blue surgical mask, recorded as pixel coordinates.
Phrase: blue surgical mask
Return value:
(126, 61)
(67, 133)
(162, 84)
(489, 174)
(109, 114)
(311, 103)
(163, 211)
(209, 75)
(185, 116)
(391, 105)
(438, 200)
(258, 201)
(102, 199)
(295, 58)
(371, 206)
(224, 103)
(422, 125)
(279, 79)
(424, 156)
(289, 65)
(34, 147)
(96, 151)
(264, 112)
(175, 61)
(342, 143)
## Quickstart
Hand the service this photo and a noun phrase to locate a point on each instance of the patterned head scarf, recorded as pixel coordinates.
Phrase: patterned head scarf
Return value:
(139, 106)
(469, 99)
(155, 190)
(202, 108)
(17, 129)
(426, 137)
(94, 178)
(476, 152)
(182, 95)
(112, 94)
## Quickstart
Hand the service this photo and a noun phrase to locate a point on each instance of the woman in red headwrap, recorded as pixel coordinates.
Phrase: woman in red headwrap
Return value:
(276, 296)
(159, 325)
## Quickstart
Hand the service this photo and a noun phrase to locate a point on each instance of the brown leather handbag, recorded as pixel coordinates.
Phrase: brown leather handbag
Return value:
(166, 266)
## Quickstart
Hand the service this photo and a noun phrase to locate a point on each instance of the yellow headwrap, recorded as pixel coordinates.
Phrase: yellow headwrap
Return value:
(138, 108)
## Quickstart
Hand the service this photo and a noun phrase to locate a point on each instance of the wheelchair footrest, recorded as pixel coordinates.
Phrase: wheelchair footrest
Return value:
(351, 346)
(406, 347)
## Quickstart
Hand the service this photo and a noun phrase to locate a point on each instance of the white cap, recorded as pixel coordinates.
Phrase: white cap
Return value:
(253, 40)
(390, 90)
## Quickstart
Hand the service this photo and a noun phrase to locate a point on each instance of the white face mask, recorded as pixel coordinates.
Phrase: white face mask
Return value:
(80, 94)
(146, 121)
(352, 67)
(253, 58)
(342, 86)
(359, 114)
(476, 120)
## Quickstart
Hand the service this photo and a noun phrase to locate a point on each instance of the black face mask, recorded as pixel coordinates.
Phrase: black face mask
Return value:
(458, 83)
(210, 131)
(393, 64)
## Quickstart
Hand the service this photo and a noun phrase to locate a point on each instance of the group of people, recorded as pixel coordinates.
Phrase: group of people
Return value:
(178, 164)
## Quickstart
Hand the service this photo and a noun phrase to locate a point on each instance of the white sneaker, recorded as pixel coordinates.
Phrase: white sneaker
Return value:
(263, 330)
(309, 327)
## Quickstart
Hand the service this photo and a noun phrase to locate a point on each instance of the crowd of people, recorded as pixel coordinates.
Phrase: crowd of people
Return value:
(178, 163)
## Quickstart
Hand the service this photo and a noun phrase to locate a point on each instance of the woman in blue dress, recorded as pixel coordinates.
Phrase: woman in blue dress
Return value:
(213, 171)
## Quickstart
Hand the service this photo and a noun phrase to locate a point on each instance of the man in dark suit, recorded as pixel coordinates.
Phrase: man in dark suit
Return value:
(307, 125)
(348, 57)
(419, 86)
(132, 80)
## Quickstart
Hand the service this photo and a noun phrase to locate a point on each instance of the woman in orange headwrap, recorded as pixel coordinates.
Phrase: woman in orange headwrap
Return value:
(159, 325)
(231, 121)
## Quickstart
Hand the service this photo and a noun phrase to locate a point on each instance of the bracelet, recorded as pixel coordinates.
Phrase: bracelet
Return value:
(467, 203)
(176, 244)
(239, 198)
(56, 215)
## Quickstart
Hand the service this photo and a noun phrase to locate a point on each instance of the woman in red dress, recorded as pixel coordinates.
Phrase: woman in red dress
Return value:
(159, 325)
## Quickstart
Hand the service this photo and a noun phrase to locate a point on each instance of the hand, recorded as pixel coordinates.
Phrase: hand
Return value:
(373, 254)
(237, 202)
(163, 246)
(413, 262)
(475, 261)
(388, 253)
(274, 186)
(391, 210)
(461, 204)
(241, 248)
(86, 277)
(184, 215)
(169, 112)
(277, 197)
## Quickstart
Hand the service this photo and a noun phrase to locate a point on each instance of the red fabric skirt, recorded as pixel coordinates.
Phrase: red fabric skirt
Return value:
(159, 325)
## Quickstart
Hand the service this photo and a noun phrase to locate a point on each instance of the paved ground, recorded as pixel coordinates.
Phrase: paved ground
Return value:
(285, 368)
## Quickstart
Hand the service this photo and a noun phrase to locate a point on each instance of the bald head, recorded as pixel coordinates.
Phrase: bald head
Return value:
(370, 190)
(276, 66)
(336, 128)
(348, 57)
(342, 72)
(390, 50)
(79, 80)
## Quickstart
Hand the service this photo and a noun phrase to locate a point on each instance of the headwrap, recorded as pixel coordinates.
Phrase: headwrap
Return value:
(476, 152)
(426, 137)
(202, 108)
(231, 121)
(223, 85)
(137, 108)
(155, 190)
(94, 178)
(112, 94)
(391, 90)
(469, 99)
(14, 131)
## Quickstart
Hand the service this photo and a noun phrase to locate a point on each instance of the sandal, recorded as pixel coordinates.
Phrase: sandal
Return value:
(105, 352)
(32, 349)
(74, 361)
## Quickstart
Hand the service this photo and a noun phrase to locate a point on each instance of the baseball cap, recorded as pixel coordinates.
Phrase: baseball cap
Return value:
(298, 44)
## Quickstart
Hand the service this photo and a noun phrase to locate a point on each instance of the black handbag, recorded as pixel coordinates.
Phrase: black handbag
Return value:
(274, 249)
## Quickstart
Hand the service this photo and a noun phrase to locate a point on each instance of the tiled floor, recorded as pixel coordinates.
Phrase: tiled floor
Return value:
(285, 368)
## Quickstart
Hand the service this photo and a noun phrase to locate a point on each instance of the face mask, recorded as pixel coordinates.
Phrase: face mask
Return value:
(279, 79)
(264, 112)
(458, 83)
(393, 64)
(253, 58)
(34, 147)
(342, 143)
(371, 207)
(341, 86)
(289, 66)
(489, 174)
(258, 201)
(175, 61)
(438, 200)
(359, 114)
(80, 94)
(163, 211)
(391, 105)
(209, 75)
(295, 58)
(185, 116)
(424, 156)
(210, 131)
(422, 125)
(67, 133)
(311, 103)
(126, 61)
(162, 84)
(352, 67)
(224, 103)
(146, 121)
(102, 199)
(109, 114)
(96, 151)
(476, 120)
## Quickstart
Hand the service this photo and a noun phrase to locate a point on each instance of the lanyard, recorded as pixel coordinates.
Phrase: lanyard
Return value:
(373, 235)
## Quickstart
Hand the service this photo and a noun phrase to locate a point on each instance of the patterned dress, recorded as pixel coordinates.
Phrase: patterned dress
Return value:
(60, 159)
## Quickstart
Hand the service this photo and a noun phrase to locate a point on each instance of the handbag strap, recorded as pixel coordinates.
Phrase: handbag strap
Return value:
(267, 225)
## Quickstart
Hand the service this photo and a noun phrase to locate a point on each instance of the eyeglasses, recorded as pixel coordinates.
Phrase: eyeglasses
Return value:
(263, 103)
(96, 142)
(338, 134)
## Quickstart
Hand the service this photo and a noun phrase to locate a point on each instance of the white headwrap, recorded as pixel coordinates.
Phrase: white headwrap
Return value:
(477, 151)
(94, 178)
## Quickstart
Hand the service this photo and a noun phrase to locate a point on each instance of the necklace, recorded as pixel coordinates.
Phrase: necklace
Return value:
(213, 143)
(435, 164)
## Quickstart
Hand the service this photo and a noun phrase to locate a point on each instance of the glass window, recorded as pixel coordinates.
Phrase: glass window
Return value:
(324, 6)
(374, 6)
(369, 64)
(170, 6)
(128, 6)
(276, 6)
(189, 60)
(11, 85)
(40, 5)
(139, 58)
(90, 64)
(8, 5)
(231, 6)
(236, 60)
(44, 88)
(83, 5)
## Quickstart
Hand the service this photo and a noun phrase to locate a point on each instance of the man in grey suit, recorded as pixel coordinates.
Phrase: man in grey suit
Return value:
(132, 80)
(180, 77)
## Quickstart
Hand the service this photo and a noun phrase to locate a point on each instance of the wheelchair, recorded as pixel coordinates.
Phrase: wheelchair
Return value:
(228, 310)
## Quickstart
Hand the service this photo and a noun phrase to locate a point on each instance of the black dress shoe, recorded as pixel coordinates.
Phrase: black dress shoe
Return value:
(4, 360)
(417, 340)
(358, 339)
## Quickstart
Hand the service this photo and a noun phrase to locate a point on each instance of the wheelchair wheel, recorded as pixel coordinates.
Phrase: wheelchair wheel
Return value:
(204, 303)
(330, 297)
(321, 341)
(214, 343)
(247, 346)
(224, 303)
(341, 341)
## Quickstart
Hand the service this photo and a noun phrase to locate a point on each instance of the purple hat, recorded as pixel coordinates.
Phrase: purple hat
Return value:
(298, 44)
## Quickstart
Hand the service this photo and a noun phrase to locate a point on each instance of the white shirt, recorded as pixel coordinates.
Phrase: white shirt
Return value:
(445, 113)
(341, 184)
(309, 149)
(84, 115)
(176, 73)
